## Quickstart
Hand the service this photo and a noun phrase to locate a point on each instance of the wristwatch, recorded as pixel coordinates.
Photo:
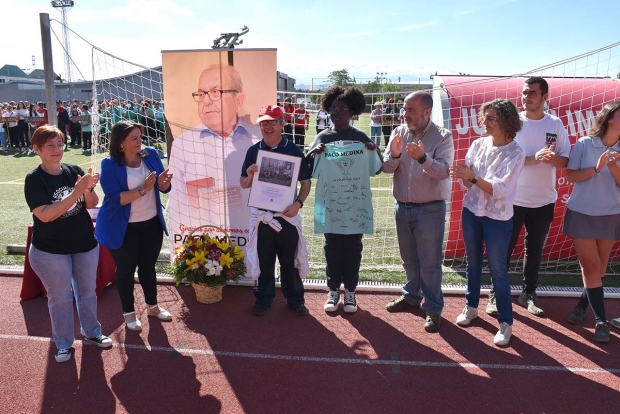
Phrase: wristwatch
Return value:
(141, 190)
(474, 180)
(301, 203)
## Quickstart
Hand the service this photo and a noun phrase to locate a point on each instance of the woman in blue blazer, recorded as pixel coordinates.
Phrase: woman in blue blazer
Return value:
(131, 221)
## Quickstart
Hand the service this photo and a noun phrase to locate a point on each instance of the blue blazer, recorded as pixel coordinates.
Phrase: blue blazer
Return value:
(113, 217)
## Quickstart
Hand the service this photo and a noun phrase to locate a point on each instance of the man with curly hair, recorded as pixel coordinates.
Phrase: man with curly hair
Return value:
(419, 155)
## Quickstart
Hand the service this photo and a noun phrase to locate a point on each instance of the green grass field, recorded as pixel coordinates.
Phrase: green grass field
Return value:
(380, 262)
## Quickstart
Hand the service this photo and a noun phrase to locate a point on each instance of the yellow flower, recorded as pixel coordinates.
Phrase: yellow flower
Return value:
(198, 242)
(237, 253)
(200, 256)
(225, 259)
(222, 245)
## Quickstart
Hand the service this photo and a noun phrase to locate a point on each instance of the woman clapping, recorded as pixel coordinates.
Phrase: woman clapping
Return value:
(132, 217)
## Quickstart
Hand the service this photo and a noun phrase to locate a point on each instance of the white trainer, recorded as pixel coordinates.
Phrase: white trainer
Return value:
(502, 337)
(350, 304)
(468, 315)
(331, 304)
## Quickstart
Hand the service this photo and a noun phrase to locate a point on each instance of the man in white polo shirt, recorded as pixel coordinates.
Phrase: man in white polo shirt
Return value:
(547, 147)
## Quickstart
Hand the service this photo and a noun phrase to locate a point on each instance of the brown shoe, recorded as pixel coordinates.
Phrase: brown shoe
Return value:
(399, 305)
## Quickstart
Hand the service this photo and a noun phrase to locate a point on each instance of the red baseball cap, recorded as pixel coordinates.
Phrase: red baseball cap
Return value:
(269, 113)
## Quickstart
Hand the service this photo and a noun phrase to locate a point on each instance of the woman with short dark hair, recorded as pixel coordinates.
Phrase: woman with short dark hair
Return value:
(489, 175)
(64, 250)
(132, 179)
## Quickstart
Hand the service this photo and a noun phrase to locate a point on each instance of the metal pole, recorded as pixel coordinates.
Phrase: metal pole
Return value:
(48, 67)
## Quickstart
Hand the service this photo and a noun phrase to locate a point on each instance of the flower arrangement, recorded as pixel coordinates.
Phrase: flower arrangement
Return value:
(206, 260)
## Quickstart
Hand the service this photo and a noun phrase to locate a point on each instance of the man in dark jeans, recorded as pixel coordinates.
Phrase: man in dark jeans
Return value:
(547, 148)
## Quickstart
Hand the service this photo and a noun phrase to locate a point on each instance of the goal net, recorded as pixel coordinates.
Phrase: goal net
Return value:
(579, 87)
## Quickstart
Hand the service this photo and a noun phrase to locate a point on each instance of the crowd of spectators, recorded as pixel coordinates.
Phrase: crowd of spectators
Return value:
(15, 134)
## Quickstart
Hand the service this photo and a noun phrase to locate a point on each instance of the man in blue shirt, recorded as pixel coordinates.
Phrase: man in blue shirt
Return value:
(276, 234)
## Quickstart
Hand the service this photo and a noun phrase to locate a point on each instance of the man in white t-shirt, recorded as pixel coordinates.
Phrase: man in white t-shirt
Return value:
(547, 148)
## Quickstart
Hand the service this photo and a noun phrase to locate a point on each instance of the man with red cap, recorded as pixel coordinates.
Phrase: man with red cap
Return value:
(276, 234)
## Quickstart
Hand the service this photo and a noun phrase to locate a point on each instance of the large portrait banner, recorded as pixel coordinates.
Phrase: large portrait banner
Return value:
(211, 101)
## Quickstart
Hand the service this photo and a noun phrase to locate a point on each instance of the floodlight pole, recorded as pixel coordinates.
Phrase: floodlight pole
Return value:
(64, 6)
(48, 68)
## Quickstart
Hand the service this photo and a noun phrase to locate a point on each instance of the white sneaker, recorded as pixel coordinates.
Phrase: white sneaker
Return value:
(468, 315)
(331, 304)
(350, 304)
(63, 355)
(502, 337)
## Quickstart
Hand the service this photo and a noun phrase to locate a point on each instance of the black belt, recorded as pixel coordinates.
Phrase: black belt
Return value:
(419, 204)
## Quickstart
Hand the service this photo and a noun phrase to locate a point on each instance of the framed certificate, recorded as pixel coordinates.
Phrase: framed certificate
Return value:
(275, 184)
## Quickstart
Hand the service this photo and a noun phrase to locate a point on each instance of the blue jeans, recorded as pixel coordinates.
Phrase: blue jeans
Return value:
(495, 234)
(375, 135)
(3, 139)
(65, 276)
(420, 231)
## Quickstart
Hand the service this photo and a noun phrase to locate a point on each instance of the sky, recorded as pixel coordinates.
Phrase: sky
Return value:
(408, 39)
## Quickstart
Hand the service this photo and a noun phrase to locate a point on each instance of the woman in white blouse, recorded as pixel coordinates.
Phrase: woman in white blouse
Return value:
(489, 176)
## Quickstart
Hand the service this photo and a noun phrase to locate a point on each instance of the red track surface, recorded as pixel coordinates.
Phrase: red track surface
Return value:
(219, 358)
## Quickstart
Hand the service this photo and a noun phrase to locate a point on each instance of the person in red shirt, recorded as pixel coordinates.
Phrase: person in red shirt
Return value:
(302, 122)
(42, 112)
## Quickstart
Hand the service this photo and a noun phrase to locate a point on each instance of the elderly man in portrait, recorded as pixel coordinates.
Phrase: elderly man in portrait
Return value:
(206, 160)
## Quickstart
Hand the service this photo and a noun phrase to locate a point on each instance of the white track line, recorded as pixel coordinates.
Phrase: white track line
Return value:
(364, 361)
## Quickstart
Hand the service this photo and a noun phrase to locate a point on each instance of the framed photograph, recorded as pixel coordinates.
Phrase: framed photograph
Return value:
(275, 183)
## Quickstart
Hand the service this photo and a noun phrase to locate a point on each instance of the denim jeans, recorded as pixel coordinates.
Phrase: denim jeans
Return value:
(65, 276)
(343, 255)
(375, 135)
(3, 140)
(420, 231)
(537, 224)
(495, 234)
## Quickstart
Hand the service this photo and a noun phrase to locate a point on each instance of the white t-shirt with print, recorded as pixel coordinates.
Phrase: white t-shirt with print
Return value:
(536, 186)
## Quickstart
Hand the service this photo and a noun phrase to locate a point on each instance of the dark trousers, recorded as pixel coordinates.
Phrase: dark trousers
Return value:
(537, 224)
(300, 136)
(140, 249)
(282, 244)
(87, 137)
(343, 255)
(288, 132)
(14, 136)
(387, 131)
(76, 134)
(22, 131)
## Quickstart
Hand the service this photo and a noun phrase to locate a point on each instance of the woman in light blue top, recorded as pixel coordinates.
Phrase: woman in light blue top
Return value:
(593, 211)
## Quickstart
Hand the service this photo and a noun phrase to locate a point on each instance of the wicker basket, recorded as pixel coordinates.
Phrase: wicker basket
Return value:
(207, 294)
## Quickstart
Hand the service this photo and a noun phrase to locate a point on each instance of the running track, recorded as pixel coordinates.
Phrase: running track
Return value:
(219, 358)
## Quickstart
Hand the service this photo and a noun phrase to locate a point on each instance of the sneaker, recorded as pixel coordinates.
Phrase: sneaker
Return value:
(615, 323)
(601, 332)
(502, 337)
(433, 322)
(350, 304)
(468, 315)
(530, 302)
(259, 310)
(331, 304)
(101, 341)
(399, 305)
(299, 309)
(576, 316)
(492, 306)
(63, 355)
